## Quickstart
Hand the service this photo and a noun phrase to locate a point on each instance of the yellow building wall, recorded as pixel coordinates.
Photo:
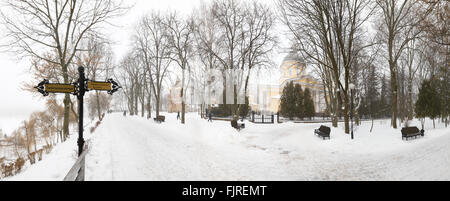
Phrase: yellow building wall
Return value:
(290, 71)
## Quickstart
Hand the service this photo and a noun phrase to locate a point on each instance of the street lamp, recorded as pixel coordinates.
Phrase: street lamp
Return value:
(352, 87)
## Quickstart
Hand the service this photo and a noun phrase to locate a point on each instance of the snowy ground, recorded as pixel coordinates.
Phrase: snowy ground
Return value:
(134, 148)
(53, 167)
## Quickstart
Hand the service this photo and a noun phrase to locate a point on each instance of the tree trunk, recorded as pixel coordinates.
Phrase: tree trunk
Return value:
(335, 121)
(136, 99)
(357, 120)
(393, 70)
(346, 120)
(157, 105)
(334, 110)
(423, 123)
(66, 105)
(346, 113)
(35, 143)
(202, 108)
(99, 112)
(28, 138)
(183, 111)
(142, 107)
(183, 104)
(149, 105)
(142, 99)
(235, 107)
(131, 101)
(371, 127)
(66, 117)
(410, 105)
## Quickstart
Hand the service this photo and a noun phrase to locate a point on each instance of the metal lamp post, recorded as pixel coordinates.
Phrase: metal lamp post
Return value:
(352, 87)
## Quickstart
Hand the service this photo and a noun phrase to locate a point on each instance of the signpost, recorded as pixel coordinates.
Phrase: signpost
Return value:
(78, 89)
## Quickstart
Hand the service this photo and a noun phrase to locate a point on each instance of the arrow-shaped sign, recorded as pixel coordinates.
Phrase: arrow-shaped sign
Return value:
(114, 87)
(59, 88)
(111, 86)
(45, 88)
(99, 86)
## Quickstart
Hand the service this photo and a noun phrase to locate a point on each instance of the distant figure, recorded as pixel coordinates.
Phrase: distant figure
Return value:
(178, 115)
(210, 117)
(124, 113)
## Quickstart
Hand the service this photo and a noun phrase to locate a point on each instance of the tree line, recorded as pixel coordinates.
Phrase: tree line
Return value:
(231, 36)
(407, 45)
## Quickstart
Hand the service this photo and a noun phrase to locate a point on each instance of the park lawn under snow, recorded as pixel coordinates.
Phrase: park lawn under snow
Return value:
(134, 148)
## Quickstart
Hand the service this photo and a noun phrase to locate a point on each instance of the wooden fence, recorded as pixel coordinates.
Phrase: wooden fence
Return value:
(77, 172)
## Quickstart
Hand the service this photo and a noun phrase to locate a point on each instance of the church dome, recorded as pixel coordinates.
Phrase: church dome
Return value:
(293, 56)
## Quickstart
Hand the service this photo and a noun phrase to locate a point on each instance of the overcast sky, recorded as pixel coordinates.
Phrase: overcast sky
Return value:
(16, 105)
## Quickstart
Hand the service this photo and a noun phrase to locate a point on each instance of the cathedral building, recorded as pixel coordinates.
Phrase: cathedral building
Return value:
(266, 98)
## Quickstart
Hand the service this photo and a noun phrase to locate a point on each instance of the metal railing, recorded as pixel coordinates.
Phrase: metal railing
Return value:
(263, 119)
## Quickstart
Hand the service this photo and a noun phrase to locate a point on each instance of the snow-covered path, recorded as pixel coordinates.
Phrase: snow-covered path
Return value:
(137, 149)
(133, 148)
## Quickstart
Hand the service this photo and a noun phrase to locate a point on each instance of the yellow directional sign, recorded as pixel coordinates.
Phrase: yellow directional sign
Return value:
(59, 88)
(100, 86)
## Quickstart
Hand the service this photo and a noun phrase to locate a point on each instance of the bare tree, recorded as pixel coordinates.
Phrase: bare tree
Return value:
(57, 27)
(98, 102)
(181, 35)
(229, 17)
(396, 32)
(246, 41)
(57, 112)
(259, 39)
(206, 38)
(153, 46)
(131, 78)
(98, 60)
(325, 33)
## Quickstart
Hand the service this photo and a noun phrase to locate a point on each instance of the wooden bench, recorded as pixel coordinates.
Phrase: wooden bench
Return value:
(409, 132)
(160, 119)
(323, 132)
(237, 125)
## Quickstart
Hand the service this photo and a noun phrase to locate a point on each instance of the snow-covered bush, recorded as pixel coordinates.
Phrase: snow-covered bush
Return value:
(32, 157)
(20, 162)
(48, 148)
(39, 153)
(7, 169)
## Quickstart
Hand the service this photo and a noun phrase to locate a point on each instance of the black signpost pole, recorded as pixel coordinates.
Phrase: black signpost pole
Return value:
(82, 90)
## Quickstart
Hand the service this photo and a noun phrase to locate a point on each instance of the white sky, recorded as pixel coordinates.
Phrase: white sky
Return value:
(16, 105)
